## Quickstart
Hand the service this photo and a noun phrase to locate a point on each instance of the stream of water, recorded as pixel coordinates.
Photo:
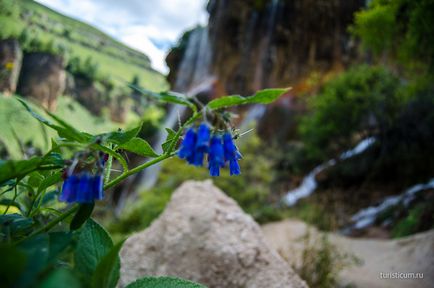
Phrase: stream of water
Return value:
(367, 216)
(309, 183)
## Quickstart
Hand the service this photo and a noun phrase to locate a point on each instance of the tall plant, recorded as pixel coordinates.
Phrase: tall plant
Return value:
(45, 242)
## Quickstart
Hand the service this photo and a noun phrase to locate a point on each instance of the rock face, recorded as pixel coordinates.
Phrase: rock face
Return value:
(274, 43)
(10, 65)
(42, 78)
(204, 236)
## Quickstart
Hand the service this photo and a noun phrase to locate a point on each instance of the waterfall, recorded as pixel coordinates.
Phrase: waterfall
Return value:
(309, 184)
(367, 216)
(253, 115)
(193, 71)
(265, 59)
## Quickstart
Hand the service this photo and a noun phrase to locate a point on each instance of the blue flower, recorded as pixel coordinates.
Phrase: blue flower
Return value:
(69, 189)
(202, 144)
(216, 158)
(82, 188)
(231, 154)
(188, 146)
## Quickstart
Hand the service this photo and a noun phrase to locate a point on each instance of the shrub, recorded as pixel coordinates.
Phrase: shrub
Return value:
(362, 101)
(406, 30)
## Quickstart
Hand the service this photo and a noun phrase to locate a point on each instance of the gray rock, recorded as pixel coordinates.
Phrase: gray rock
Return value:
(10, 65)
(204, 236)
(42, 78)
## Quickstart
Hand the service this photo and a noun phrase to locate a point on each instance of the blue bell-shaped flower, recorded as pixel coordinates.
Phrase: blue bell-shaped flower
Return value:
(188, 146)
(216, 158)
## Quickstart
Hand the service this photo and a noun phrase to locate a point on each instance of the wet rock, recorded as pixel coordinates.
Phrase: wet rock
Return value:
(42, 78)
(10, 65)
(204, 236)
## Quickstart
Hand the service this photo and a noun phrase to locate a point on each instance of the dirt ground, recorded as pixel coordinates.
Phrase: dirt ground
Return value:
(378, 257)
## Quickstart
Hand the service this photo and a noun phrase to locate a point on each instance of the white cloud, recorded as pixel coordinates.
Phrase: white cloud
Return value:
(136, 22)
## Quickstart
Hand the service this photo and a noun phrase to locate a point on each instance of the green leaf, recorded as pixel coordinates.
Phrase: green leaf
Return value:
(112, 153)
(37, 251)
(81, 137)
(12, 264)
(107, 272)
(163, 282)
(10, 202)
(83, 213)
(18, 169)
(171, 135)
(61, 278)
(58, 242)
(65, 131)
(15, 225)
(167, 97)
(93, 244)
(50, 181)
(139, 147)
(120, 137)
(265, 96)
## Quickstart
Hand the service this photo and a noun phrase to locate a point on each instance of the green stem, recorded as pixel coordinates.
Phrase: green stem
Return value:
(108, 169)
(53, 222)
(137, 169)
(123, 176)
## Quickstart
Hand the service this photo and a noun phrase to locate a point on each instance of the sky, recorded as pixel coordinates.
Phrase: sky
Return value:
(150, 26)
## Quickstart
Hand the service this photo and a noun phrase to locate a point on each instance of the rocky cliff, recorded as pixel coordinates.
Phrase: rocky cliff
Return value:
(274, 43)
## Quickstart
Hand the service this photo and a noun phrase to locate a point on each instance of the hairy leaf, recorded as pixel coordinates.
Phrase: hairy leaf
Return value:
(163, 282)
(93, 244)
(139, 147)
(107, 272)
(265, 96)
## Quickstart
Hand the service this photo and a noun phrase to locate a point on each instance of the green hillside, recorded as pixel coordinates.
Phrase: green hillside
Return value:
(41, 29)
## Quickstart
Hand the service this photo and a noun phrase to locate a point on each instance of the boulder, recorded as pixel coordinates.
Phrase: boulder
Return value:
(204, 236)
(42, 78)
(10, 65)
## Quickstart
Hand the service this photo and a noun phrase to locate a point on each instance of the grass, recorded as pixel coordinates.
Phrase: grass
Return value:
(16, 120)
(115, 60)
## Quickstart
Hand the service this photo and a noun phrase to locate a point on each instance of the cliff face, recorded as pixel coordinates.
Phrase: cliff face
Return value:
(276, 43)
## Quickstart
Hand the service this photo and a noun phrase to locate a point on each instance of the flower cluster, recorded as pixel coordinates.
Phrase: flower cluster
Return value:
(82, 188)
(198, 142)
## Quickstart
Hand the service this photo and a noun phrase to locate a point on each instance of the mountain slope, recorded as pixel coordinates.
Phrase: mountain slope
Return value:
(47, 29)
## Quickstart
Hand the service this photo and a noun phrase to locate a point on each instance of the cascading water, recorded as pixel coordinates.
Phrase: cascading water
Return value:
(261, 75)
(193, 71)
(309, 183)
(368, 216)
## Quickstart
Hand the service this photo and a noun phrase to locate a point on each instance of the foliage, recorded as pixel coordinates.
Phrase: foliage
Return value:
(406, 30)
(87, 68)
(46, 242)
(321, 262)
(362, 101)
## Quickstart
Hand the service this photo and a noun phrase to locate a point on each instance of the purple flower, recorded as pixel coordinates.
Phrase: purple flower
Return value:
(82, 188)
(231, 154)
(188, 146)
(216, 158)
(202, 144)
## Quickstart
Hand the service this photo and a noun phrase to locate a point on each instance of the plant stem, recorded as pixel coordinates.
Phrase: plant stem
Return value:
(137, 169)
(53, 222)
